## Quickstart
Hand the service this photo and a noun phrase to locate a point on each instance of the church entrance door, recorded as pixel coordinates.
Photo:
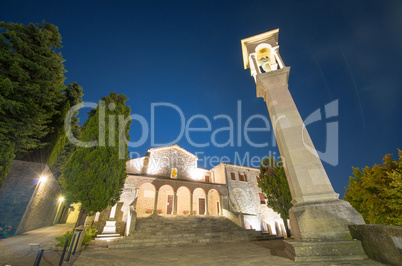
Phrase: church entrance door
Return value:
(201, 205)
(169, 204)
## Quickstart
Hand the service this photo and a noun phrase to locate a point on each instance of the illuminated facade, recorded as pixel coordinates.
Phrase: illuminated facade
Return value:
(167, 181)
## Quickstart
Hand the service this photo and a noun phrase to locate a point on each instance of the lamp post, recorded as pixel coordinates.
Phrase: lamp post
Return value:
(60, 201)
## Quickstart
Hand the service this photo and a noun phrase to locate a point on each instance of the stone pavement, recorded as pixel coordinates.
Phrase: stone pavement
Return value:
(244, 253)
(16, 250)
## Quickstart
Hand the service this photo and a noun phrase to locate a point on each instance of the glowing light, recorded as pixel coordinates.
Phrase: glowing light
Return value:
(197, 174)
(61, 199)
(43, 179)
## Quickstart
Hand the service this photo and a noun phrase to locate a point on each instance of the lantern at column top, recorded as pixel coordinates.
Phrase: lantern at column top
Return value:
(261, 53)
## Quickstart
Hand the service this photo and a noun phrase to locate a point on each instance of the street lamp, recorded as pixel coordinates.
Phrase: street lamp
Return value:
(43, 179)
(61, 199)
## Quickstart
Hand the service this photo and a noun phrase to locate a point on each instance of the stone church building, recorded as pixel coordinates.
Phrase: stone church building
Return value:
(167, 182)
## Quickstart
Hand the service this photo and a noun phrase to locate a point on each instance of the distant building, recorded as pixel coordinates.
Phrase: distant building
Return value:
(167, 181)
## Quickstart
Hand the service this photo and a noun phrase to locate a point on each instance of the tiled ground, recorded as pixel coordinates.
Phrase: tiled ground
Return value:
(247, 253)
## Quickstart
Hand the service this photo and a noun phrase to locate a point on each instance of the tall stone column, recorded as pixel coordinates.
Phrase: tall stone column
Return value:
(317, 215)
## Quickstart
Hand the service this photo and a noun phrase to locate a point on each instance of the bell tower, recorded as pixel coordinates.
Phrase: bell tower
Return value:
(319, 220)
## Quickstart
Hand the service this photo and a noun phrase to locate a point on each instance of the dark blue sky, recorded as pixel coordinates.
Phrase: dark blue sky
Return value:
(188, 53)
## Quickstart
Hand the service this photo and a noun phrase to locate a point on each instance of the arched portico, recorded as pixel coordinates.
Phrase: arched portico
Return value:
(174, 197)
(183, 200)
(165, 200)
(214, 202)
(199, 203)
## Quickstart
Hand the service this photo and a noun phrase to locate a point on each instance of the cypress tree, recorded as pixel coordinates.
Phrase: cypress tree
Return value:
(94, 176)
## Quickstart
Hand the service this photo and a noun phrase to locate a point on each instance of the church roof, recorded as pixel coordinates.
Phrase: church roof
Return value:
(174, 146)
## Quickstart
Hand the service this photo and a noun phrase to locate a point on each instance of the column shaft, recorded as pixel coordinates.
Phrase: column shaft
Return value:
(206, 204)
(307, 178)
(175, 203)
(156, 202)
(220, 205)
(191, 203)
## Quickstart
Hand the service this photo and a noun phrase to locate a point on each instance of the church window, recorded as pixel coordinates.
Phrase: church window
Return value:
(207, 178)
(242, 177)
(233, 176)
(174, 173)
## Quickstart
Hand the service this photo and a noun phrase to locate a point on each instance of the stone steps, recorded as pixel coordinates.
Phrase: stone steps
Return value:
(167, 231)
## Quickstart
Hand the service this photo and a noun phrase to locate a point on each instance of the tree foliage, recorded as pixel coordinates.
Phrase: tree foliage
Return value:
(376, 192)
(274, 185)
(60, 155)
(95, 175)
(33, 97)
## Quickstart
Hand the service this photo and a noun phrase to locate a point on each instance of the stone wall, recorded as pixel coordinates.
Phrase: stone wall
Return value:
(73, 213)
(26, 204)
(381, 242)
(244, 197)
(135, 166)
(219, 174)
(163, 160)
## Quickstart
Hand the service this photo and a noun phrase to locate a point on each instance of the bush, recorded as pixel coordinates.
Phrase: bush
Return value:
(90, 234)
(5, 230)
(62, 239)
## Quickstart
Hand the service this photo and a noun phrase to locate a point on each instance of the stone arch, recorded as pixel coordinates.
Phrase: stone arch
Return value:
(183, 200)
(199, 204)
(165, 199)
(214, 205)
(146, 198)
(144, 182)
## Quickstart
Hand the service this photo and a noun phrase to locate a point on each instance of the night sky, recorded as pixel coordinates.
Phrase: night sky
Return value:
(188, 54)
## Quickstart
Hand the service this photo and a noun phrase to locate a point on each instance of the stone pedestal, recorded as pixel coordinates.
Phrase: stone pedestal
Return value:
(320, 231)
(325, 250)
(323, 220)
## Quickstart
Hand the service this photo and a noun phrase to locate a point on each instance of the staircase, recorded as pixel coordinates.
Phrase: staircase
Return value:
(168, 231)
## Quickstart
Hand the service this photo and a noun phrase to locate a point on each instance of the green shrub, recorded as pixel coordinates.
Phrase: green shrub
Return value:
(62, 239)
(90, 234)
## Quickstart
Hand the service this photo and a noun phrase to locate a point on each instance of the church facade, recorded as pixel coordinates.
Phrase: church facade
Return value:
(167, 181)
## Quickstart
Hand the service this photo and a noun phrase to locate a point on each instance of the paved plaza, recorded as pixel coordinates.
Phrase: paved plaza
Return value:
(17, 251)
(245, 253)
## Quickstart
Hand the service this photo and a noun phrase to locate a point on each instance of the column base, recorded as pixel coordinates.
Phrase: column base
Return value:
(325, 251)
(323, 221)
